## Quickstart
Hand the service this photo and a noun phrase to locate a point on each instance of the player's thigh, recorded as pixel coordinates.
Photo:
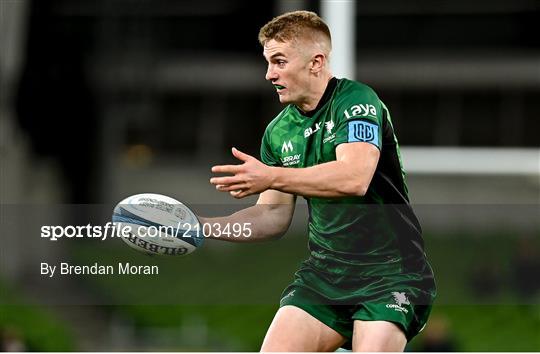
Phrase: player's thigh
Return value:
(377, 336)
(294, 330)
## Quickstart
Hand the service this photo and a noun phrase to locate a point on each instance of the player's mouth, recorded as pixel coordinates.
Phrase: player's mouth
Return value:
(279, 87)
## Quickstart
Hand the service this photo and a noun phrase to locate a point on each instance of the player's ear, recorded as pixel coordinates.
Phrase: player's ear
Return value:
(317, 63)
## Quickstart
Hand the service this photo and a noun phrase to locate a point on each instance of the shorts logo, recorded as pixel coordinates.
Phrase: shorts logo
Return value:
(400, 300)
(364, 132)
(291, 294)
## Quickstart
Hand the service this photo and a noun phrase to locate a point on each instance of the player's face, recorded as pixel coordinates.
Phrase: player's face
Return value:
(288, 70)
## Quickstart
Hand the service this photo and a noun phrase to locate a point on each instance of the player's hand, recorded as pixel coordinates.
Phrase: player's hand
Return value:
(250, 177)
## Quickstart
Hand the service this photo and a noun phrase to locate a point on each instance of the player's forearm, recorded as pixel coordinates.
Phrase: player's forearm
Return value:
(331, 179)
(257, 223)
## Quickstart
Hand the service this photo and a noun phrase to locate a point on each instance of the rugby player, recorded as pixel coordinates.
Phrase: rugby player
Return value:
(367, 284)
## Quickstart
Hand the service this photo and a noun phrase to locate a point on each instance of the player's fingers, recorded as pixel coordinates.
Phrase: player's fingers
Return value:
(228, 180)
(242, 194)
(232, 187)
(235, 193)
(226, 168)
(240, 155)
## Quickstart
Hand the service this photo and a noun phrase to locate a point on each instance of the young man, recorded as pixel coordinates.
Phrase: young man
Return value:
(367, 281)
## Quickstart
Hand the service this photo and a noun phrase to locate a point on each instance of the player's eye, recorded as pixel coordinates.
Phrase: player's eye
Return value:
(281, 63)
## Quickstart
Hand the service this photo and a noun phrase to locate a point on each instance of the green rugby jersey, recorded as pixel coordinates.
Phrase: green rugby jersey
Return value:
(376, 234)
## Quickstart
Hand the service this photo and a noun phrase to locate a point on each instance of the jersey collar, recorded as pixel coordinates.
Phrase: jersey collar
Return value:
(325, 98)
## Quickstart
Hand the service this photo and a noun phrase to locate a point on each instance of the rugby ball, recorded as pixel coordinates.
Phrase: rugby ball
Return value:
(158, 225)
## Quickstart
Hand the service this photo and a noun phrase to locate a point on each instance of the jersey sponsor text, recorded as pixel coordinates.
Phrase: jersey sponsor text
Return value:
(291, 160)
(361, 110)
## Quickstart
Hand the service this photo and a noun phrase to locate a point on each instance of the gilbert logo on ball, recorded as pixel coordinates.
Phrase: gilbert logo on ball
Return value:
(158, 224)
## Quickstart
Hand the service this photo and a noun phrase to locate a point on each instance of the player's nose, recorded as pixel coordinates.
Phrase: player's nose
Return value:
(270, 74)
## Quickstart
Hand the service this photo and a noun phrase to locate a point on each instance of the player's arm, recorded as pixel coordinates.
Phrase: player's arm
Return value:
(349, 175)
(268, 219)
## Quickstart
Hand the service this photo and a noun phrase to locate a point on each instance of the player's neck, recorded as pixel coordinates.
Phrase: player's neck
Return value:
(319, 87)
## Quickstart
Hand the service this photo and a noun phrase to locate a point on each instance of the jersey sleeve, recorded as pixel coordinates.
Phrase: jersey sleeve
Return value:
(267, 156)
(359, 116)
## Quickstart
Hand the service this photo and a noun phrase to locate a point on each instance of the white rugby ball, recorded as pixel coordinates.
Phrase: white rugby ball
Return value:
(158, 224)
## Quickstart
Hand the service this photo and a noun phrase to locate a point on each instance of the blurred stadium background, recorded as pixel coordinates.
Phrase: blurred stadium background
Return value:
(101, 99)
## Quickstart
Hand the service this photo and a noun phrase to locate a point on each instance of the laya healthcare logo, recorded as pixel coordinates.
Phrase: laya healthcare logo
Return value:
(363, 131)
(289, 160)
(400, 299)
(361, 110)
